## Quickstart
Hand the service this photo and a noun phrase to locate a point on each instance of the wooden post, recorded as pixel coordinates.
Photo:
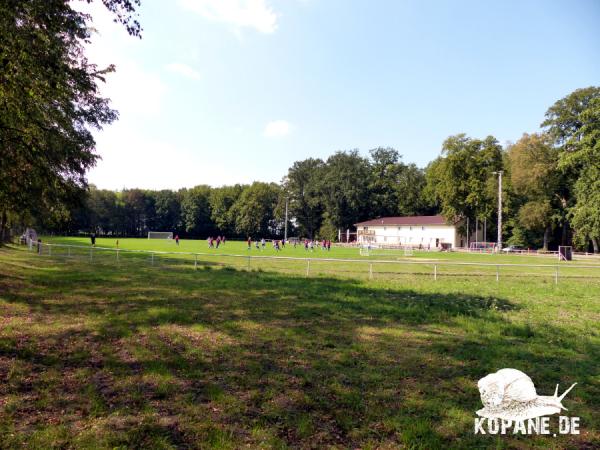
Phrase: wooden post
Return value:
(370, 271)
(307, 267)
(497, 273)
(435, 272)
(195, 261)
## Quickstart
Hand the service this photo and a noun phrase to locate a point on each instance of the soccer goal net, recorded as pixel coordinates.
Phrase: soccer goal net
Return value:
(160, 235)
(482, 247)
(408, 250)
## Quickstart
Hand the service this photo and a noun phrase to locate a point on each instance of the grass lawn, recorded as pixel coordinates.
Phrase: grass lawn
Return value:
(138, 356)
(240, 247)
(324, 263)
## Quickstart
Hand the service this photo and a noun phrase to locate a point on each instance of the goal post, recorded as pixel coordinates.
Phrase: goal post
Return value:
(160, 235)
(565, 253)
(367, 249)
(482, 247)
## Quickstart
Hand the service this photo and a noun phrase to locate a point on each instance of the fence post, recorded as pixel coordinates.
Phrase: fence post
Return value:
(152, 258)
(195, 261)
(117, 255)
(307, 267)
(370, 271)
(91, 253)
(435, 272)
(497, 273)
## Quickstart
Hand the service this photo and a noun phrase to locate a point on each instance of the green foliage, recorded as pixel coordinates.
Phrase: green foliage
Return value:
(195, 211)
(221, 200)
(302, 186)
(50, 103)
(328, 230)
(167, 211)
(540, 185)
(396, 189)
(585, 159)
(563, 119)
(462, 179)
(345, 187)
(518, 237)
(253, 211)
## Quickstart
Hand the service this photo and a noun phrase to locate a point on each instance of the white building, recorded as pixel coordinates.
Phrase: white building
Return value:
(414, 231)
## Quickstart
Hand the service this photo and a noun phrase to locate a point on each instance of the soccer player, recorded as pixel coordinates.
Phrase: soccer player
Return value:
(177, 239)
(263, 243)
(93, 239)
(249, 243)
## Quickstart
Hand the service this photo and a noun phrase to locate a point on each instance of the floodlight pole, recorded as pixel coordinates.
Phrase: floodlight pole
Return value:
(286, 219)
(499, 173)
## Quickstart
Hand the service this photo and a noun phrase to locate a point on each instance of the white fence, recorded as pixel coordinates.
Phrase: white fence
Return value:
(355, 268)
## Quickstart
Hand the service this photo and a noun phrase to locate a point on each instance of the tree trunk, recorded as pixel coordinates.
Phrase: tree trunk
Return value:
(595, 244)
(565, 228)
(546, 238)
(3, 220)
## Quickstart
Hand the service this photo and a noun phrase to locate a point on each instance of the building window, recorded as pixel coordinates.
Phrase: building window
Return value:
(423, 228)
(399, 228)
(410, 228)
(384, 228)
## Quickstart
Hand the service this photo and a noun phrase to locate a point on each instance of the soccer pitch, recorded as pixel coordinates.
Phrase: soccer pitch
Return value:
(339, 252)
(140, 357)
(339, 261)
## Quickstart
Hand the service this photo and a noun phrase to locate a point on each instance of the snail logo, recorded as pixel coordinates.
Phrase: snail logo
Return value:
(510, 400)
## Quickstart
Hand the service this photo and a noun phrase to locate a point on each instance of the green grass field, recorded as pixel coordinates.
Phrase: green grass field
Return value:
(124, 354)
(239, 247)
(325, 263)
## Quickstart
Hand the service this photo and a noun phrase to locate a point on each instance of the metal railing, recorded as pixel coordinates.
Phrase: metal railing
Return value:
(369, 268)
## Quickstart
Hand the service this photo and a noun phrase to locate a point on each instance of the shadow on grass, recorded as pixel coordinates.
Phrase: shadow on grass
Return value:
(220, 358)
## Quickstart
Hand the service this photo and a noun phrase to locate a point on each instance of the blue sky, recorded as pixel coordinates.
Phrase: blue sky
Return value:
(232, 91)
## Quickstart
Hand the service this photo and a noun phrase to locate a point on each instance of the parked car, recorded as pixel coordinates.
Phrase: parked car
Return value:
(512, 248)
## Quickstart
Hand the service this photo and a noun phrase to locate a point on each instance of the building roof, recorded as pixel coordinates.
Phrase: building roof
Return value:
(406, 220)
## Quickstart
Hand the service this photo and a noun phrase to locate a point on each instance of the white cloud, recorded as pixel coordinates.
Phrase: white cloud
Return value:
(133, 89)
(240, 13)
(277, 128)
(184, 70)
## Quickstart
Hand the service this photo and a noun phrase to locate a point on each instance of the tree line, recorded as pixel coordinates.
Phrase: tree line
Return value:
(51, 102)
(551, 192)
(321, 197)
